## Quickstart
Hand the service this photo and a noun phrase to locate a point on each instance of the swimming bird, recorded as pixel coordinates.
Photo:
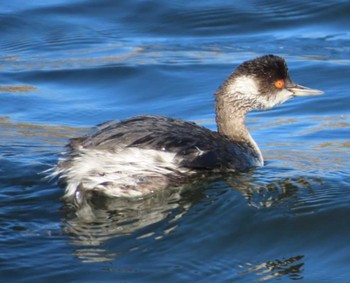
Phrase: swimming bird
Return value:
(139, 155)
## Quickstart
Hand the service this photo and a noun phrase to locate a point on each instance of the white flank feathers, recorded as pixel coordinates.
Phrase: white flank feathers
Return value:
(130, 172)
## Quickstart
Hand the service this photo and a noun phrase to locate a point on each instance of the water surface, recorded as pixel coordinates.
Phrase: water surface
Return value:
(67, 66)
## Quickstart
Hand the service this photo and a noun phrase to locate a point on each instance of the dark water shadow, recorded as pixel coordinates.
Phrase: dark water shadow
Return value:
(261, 191)
(291, 267)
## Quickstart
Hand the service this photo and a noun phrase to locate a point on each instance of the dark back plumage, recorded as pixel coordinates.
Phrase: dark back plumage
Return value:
(196, 146)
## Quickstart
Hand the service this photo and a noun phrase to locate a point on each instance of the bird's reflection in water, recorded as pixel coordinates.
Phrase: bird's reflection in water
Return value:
(100, 218)
(291, 267)
(266, 191)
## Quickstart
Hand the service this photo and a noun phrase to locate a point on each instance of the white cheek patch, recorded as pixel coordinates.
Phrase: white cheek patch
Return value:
(274, 99)
(245, 86)
(246, 90)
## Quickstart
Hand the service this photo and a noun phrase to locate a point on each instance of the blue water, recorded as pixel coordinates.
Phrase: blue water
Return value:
(69, 65)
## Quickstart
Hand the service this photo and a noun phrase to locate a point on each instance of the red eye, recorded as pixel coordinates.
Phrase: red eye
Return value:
(279, 84)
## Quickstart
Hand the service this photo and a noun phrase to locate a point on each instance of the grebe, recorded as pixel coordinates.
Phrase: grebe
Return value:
(139, 155)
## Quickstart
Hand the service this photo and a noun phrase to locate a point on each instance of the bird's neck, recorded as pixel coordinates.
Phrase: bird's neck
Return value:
(231, 111)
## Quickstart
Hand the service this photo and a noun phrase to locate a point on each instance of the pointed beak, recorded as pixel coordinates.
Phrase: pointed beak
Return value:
(299, 90)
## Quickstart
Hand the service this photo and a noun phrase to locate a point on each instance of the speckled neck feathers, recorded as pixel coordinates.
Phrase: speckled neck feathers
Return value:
(232, 106)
